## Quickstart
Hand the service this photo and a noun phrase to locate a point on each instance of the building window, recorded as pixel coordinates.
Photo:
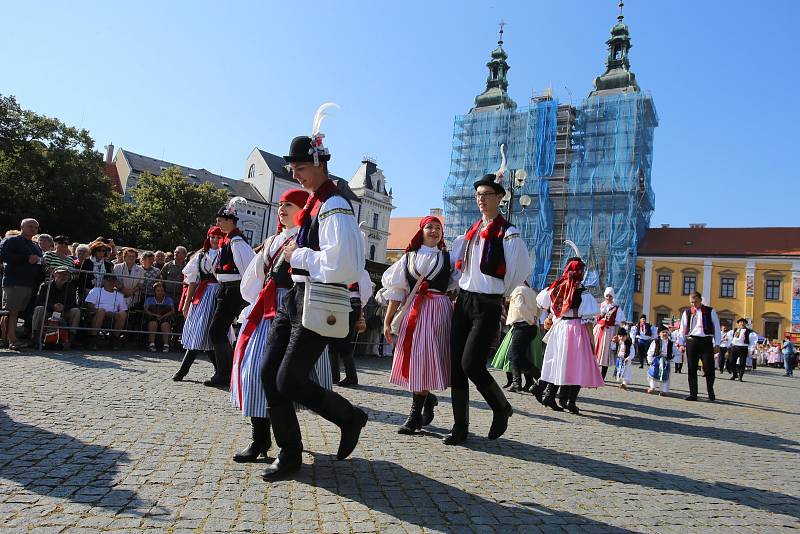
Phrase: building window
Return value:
(726, 287)
(372, 252)
(637, 282)
(664, 284)
(772, 329)
(773, 290)
(251, 172)
(689, 285)
(248, 234)
(375, 220)
(661, 318)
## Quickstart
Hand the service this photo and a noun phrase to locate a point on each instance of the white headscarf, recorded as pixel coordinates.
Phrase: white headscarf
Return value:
(609, 291)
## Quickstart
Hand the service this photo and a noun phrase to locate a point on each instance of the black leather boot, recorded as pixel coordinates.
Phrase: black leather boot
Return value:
(549, 399)
(509, 380)
(538, 390)
(186, 364)
(460, 404)
(414, 421)
(529, 382)
(348, 418)
(288, 438)
(573, 396)
(431, 401)
(223, 354)
(516, 382)
(260, 444)
(501, 409)
(563, 396)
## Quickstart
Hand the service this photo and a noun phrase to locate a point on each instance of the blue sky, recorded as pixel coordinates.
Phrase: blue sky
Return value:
(201, 83)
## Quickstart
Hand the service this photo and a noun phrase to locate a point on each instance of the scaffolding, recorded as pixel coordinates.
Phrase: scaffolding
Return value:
(530, 138)
(610, 197)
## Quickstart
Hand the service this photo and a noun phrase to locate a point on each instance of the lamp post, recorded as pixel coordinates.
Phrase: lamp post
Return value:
(520, 177)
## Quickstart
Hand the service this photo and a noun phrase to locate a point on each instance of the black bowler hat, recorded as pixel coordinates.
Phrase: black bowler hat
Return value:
(495, 179)
(228, 211)
(742, 320)
(301, 151)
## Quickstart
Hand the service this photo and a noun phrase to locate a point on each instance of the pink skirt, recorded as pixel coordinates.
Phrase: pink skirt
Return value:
(429, 366)
(569, 359)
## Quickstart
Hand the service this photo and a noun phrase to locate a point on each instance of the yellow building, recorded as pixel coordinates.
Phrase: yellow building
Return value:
(741, 272)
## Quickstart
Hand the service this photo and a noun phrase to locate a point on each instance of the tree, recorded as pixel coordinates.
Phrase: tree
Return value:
(168, 211)
(50, 171)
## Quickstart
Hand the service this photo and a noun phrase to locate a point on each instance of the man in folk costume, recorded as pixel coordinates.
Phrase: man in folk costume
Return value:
(743, 343)
(326, 257)
(605, 330)
(235, 255)
(493, 260)
(701, 332)
(569, 361)
(642, 334)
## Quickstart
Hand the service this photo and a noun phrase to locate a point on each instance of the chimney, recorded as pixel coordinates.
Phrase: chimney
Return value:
(697, 225)
(109, 153)
(436, 212)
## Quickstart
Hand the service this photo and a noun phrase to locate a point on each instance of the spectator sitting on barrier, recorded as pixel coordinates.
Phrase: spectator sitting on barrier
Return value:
(151, 273)
(159, 310)
(160, 260)
(107, 302)
(172, 274)
(130, 277)
(59, 257)
(95, 267)
(61, 296)
(45, 242)
(21, 259)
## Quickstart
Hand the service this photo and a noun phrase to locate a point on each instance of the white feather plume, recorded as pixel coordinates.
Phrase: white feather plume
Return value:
(321, 114)
(573, 246)
(502, 170)
(235, 200)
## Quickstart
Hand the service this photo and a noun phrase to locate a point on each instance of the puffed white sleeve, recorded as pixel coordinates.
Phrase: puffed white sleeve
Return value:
(518, 260)
(752, 341)
(457, 250)
(253, 279)
(340, 259)
(394, 280)
(589, 306)
(243, 254)
(191, 271)
(651, 350)
(364, 287)
(543, 299)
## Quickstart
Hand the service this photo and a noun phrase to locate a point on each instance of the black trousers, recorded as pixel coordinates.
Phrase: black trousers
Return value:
(293, 351)
(476, 321)
(698, 348)
(522, 335)
(738, 359)
(641, 350)
(343, 349)
(723, 352)
(228, 306)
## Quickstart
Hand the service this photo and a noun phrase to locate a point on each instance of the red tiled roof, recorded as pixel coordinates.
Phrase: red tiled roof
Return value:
(401, 230)
(783, 241)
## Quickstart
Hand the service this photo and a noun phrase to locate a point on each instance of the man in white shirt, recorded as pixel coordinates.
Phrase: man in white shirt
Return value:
(107, 302)
(724, 344)
(700, 328)
(642, 334)
(743, 343)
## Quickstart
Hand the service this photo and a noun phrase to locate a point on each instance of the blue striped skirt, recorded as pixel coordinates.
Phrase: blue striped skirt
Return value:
(195, 329)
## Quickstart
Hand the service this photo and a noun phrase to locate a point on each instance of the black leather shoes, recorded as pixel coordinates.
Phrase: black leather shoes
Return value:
(690, 398)
(350, 433)
(500, 422)
(456, 436)
(281, 469)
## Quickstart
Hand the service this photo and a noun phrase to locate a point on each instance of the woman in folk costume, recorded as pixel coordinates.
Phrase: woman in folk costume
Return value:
(605, 330)
(569, 360)
(198, 304)
(264, 284)
(659, 357)
(422, 352)
(623, 367)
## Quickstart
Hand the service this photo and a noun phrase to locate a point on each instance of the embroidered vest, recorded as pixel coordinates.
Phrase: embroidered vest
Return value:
(648, 329)
(308, 236)
(226, 263)
(493, 258)
(669, 348)
(440, 281)
(746, 338)
(705, 314)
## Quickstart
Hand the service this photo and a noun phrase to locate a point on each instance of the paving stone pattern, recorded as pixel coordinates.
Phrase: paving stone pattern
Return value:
(108, 443)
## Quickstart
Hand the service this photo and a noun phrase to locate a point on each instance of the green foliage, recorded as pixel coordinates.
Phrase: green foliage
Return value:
(168, 211)
(50, 171)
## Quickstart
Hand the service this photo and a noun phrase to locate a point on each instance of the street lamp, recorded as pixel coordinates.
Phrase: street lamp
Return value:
(520, 178)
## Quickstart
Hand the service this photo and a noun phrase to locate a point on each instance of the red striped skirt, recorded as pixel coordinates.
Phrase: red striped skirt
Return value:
(429, 365)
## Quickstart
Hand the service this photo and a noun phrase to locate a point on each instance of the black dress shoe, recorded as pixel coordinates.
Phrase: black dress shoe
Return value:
(500, 422)
(690, 398)
(281, 469)
(177, 377)
(348, 382)
(712, 398)
(350, 433)
(250, 454)
(456, 436)
(216, 381)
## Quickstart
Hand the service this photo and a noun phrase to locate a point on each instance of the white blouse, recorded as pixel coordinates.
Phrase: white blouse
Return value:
(193, 268)
(254, 277)
(428, 261)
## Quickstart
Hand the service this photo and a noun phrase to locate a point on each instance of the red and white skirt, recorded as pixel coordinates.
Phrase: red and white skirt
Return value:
(429, 358)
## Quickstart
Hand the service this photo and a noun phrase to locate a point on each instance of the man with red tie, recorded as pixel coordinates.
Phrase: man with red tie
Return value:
(701, 331)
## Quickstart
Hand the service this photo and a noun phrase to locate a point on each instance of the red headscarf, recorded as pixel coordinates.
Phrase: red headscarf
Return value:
(416, 241)
(298, 197)
(213, 231)
(563, 289)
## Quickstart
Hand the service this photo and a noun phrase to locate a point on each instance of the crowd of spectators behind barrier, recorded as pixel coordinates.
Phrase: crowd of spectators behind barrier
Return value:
(90, 287)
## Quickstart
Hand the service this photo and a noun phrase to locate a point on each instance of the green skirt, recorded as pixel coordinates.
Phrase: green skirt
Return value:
(535, 352)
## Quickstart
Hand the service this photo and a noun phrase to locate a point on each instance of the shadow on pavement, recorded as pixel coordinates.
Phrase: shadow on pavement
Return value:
(58, 465)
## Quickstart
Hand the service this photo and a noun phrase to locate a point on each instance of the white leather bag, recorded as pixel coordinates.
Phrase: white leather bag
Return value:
(326, 309)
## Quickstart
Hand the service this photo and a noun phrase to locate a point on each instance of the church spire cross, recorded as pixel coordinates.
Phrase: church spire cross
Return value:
(620, 16)
(502, 24)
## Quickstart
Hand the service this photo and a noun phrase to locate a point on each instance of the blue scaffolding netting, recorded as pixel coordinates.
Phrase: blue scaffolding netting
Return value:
(610, 197)
(530, 138)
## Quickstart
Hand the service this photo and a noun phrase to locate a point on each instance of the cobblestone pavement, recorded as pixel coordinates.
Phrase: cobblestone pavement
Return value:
(107, 442)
